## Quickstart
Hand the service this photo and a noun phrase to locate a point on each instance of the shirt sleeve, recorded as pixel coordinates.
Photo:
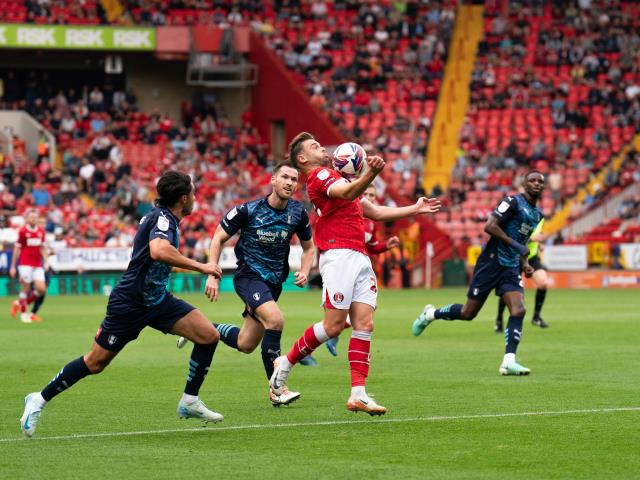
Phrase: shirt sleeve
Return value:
(505, 210)
(235, 219)
(163, 228)
(304, 227)
(376, 247)
(324, 180)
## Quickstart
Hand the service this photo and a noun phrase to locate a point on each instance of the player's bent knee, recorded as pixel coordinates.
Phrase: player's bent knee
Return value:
(96, 365)
(275, 323)
(333, 330)
(211, 337)
(519, 311)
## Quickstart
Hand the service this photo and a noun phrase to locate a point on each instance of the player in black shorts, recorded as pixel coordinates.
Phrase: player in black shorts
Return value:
(141, 299)
(540, 278)
(266, 228)
(504, 256)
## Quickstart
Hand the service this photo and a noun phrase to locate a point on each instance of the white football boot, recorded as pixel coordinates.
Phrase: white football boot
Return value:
(199, 410)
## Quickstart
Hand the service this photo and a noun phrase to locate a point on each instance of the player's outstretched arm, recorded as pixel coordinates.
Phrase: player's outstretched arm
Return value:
(212, 288)
(352, 190)
(493, 228)
(162, 251)
(306, 262)
(381, 213)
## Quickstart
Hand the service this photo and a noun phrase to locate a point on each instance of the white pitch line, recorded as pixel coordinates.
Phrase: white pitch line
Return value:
(326, 423)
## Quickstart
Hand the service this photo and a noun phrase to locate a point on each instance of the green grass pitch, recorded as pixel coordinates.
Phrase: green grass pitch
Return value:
(576, 416)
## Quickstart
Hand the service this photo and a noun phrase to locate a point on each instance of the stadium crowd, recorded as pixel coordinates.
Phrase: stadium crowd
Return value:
(553, 88)
(103, 181)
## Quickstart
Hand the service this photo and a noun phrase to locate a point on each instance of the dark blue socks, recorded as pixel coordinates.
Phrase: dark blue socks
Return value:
(199, 364)
(228, 334)
(541, 294)
(449, 312)
(501, 307)
(70, 374)
(270, 349)
(37, 303)
(512, 334)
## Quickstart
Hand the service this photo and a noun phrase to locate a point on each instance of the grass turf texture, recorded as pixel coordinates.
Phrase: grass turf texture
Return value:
(588, 359)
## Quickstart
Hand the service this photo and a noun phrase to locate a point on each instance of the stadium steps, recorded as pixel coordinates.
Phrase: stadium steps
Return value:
(454, 97)
(113, 9)
(561, 218)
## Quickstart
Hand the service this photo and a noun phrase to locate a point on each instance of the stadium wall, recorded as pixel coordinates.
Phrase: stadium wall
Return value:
(278, 98)
(159, 85)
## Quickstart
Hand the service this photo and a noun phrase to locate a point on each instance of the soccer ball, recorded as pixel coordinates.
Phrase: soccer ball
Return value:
(349, 159)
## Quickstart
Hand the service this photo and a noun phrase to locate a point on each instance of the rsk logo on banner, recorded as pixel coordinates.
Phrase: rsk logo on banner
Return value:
(84, 38)
(132, 39)
(37, 37)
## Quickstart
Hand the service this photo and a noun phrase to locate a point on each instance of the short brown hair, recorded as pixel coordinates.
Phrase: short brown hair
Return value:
(283, 163)
(295, 147)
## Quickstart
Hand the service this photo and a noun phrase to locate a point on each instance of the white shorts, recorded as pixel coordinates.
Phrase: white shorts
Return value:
(347, 277)
(28, 274)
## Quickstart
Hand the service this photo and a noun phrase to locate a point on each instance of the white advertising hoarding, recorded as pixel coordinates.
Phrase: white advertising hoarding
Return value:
(630, 256)
(567, 258)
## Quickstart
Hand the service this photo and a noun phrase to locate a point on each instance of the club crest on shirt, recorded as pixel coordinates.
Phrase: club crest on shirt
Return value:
(232, 213)
(323, 175)
(163, 223)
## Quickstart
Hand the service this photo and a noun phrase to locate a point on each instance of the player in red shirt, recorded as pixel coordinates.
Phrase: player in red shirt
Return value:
(374, 247)
(29, 253)
(349, 282)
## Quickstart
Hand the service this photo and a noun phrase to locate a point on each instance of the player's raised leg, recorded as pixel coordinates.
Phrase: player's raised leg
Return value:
(195, 327)
(90, 364)
(314, 336)
(513, 334)
(453, 311)
(271, 321)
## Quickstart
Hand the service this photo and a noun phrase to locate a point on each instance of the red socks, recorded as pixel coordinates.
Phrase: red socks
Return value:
(312, 338)
(359, 357)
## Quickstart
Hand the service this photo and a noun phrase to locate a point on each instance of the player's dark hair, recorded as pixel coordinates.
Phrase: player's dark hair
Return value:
(171, 186)
(295, 147)
(282, 164)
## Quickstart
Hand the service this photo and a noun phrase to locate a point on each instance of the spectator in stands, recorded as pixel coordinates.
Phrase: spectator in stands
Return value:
(41, 197)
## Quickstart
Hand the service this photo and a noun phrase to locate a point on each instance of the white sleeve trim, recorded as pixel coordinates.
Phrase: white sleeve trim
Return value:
(340, 180)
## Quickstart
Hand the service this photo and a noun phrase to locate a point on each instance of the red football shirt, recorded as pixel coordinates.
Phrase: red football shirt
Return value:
(340, 222)
(30, 241)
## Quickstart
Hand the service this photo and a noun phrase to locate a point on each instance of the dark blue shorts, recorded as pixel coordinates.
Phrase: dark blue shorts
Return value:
(489, 275)
(254, 291)
(124, 320)
(536, 263)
